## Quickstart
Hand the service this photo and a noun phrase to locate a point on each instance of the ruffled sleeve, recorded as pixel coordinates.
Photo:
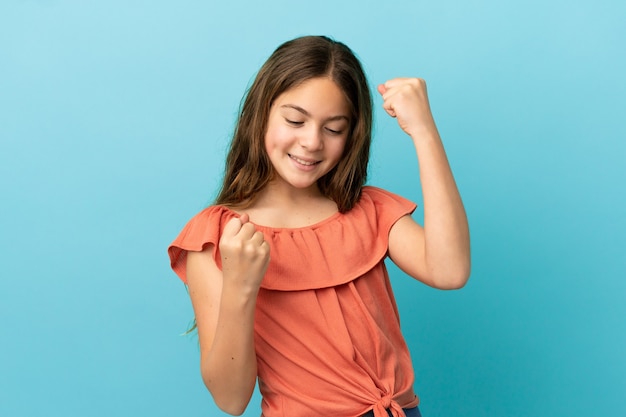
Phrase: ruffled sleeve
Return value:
(203, 229)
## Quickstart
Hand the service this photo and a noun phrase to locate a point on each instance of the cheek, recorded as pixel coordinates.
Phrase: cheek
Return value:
(276, 137)
(338, 148)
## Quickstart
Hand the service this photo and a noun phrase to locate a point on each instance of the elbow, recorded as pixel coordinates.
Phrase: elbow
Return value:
(235, 406)
(230, 402)
(452, 284)
(448, 270)
(232, 409)
(451, 279)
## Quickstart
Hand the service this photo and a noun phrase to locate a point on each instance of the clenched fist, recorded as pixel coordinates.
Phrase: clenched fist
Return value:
(245, 254)
(406, 99)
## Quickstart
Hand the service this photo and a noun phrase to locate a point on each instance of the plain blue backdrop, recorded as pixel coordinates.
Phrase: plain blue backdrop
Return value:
(114, 119)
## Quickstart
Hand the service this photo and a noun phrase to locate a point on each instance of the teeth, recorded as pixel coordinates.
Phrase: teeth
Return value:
(300, 161)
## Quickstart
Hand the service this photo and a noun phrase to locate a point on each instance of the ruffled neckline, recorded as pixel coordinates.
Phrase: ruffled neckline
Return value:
(312, 226)
(331, 252)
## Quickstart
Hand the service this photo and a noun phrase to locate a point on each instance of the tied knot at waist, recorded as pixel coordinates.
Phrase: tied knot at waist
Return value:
(387, 403)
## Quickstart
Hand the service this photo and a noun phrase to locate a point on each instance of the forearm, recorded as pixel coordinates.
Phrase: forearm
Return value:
(446, 232)
(229, 367)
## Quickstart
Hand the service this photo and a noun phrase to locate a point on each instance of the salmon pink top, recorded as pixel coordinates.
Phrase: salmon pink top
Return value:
(327, 330)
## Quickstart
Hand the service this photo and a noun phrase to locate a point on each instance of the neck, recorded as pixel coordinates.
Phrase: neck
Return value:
(277, 193)
(278, 206)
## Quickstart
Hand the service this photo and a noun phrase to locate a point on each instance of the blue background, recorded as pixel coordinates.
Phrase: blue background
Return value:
(114, 120)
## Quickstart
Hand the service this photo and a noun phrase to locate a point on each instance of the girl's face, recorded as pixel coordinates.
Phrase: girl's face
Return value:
(306, 132)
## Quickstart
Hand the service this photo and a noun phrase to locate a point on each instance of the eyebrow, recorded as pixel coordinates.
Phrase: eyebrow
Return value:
(307, 114)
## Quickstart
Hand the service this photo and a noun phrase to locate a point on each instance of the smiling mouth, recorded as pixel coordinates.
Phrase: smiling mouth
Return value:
(302, 161)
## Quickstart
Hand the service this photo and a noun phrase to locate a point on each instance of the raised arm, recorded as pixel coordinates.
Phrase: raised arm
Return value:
(224, 302)
(437, 254)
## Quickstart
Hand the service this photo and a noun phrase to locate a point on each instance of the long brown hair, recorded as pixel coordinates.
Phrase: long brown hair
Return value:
(248, 168)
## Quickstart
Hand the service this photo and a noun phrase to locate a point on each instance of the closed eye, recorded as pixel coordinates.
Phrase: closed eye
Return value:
(294, 122)
(334, 132)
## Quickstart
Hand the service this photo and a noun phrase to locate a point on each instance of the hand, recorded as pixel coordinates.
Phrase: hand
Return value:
(406, 99)
(245, 254)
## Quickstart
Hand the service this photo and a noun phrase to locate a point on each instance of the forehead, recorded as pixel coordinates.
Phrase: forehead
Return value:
(317, 95)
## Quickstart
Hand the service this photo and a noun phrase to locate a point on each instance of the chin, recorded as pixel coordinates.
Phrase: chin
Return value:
(303, 185)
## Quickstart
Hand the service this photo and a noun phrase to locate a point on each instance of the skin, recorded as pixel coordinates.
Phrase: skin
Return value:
(306, 134)
(437, 254)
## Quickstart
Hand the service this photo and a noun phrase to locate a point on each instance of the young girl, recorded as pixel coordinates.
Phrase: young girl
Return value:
(286, 273)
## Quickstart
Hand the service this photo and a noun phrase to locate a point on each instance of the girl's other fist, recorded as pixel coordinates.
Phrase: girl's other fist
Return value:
(406, 99)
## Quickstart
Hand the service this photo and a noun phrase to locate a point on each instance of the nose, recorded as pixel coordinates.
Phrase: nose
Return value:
(312, 139)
